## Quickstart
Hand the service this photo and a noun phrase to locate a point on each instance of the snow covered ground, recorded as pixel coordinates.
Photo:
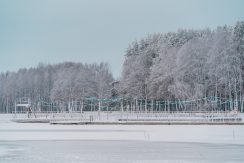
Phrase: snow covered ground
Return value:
(226, 134)
(17, 138)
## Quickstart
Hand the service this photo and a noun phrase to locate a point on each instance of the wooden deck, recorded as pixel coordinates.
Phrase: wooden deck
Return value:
(144, 123)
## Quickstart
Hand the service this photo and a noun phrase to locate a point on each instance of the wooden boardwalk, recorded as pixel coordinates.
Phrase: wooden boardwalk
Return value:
(142, 123)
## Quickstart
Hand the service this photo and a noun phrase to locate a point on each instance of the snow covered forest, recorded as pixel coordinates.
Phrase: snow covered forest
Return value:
(61, 82)
(188, 64)
(175, 66)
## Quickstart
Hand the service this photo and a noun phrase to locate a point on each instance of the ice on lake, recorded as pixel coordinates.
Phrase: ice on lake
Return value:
(44, 143)
(119, 151)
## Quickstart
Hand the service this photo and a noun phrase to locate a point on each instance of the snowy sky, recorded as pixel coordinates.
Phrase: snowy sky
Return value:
(53, 31)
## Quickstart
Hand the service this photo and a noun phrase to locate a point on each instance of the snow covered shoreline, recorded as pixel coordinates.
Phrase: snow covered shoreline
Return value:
(234, 134)
(131, 118)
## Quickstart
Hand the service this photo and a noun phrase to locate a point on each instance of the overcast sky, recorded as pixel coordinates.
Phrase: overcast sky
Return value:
(53, 31)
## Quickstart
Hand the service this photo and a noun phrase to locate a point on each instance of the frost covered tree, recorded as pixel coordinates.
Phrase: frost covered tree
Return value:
(137, 66)
(200, 66)
(189, 64)
(61, 83)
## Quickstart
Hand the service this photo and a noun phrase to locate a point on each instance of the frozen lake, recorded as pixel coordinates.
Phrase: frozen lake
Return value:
(44, 143)
(117, 151)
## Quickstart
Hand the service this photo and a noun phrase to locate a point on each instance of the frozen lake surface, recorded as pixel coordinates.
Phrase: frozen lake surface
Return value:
(44, 143)
(118, 152)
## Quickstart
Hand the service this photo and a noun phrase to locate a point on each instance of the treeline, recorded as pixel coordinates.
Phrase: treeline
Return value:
(188, 64)
(177, 66)
(53, 83)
